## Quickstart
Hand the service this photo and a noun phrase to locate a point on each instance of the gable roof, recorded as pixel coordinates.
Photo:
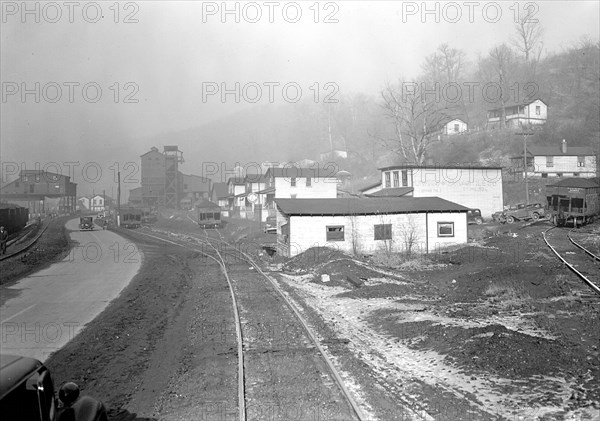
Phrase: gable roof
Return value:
(517, 103)
(293, 172)
(556, 150)
(374, 206)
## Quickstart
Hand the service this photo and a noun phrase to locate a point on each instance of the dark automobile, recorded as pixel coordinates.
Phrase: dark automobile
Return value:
(27, 393)
(521, 212)
(86, 223)
(474, 217)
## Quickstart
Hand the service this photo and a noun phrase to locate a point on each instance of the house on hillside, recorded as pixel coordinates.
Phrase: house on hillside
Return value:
(366, 226)
(473, 186)
(519, 114)
(558, 161)
(454, 127)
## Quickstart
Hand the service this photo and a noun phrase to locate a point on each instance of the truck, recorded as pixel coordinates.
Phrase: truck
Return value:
(27, 393)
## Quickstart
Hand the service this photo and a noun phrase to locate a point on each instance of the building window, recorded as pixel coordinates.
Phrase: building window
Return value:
(404, 178)
(388, 182)
(293, 195)
(383, 231)
(559, 174)
(581, 161)
(308, 182)
(456, 128)
(31, 187)
(549, 161)
(575, 174)
(293, 181)
(445, 229)
(396, 179)
(544, 175)
(335, 233)
(538, 110)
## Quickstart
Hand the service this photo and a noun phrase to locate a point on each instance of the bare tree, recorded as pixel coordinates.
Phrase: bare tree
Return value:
(502, 58)
(445, 65)
(529, 35)
(410, 235)
(415, 119)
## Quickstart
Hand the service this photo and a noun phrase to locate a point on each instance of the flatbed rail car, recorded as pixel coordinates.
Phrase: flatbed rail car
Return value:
(573, 201)
(13, 218)
(209, 214)
(131, 218)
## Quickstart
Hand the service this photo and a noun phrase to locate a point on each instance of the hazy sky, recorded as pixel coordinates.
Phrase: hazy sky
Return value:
(165, 55)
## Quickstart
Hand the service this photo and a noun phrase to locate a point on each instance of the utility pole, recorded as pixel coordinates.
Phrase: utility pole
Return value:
(119, 199)
(525, 134)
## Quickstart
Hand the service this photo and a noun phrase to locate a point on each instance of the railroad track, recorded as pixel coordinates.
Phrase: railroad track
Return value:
(275, 357)
(575, 256)
(28, 245)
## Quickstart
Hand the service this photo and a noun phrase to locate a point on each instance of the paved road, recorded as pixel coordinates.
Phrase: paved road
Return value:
(51, 306)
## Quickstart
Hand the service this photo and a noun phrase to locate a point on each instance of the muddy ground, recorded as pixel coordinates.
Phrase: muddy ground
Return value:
(492, 331)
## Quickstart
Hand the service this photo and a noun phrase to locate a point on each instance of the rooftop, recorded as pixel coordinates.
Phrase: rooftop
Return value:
(575, 182)
(293, 172)
(371, 206)
(391, 192)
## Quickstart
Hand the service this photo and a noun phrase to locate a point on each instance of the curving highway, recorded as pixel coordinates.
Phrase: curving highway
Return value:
(42, 312)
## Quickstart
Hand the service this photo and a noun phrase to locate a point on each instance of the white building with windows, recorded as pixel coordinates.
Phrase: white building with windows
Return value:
(367, 226)
(517, 115)
(303, 183)
(476, 187)
(559, 161)
(455, 126)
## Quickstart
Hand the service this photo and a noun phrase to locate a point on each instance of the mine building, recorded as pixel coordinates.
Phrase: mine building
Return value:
(370, 225)
(162, 182)
(473, 186)
(42, 192)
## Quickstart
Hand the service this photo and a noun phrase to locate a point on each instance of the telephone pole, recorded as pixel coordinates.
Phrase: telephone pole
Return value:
(525, 134)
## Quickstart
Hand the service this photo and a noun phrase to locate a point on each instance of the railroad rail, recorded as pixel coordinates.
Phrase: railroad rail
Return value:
(28, 246)
(219, 255)
(571, 266)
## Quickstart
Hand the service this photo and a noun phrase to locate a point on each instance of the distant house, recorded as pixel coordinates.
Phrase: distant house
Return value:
(257, 206)
(218, 194)
(454, 126)
(100, 203)
(523, 114)
(236, 189)
(473, 186)
(333, 154)
(365, 226)
(83, 203)
(558, 161)
(303, 183)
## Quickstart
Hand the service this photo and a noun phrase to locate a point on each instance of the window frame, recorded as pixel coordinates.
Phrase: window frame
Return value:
(440, 224)
(388, 180)
(329, 229)
(293, 182)
(396, 178)
(384, 231)
(549, 162)
(581, 160)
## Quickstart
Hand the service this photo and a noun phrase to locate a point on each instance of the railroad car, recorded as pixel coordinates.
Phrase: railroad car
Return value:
(131, 218)
(573, 201)
(209, 214)
(13, 218)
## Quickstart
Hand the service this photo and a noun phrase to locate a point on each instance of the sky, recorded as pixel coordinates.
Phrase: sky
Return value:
(93, 81)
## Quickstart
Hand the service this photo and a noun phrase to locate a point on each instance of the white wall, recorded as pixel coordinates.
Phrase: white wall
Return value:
(321, 188)
(470, 187)
(307, 232)
(564, 164)
(449, 127)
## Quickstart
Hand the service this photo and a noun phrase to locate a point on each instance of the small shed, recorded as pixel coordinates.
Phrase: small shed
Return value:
(367, 226)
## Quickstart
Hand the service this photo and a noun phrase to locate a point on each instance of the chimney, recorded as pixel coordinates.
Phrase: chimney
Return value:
(563, 146)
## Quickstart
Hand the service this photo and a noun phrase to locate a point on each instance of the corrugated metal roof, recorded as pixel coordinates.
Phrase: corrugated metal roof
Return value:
(370, 206)
(575, 182)
(391, 192)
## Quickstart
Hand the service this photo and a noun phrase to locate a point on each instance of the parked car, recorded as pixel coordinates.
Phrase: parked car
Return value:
(27, 393)
(474, 217)
(521, 212)
(270, 226)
